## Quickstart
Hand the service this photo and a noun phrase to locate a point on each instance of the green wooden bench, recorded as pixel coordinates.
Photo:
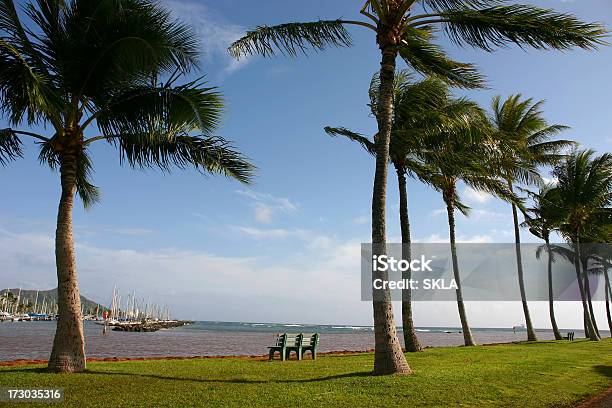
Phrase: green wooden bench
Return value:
(570, 336)
(298, 343)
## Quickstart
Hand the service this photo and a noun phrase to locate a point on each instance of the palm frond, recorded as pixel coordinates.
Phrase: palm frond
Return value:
(145, 108)
(551, 152)
(111, 43)
(462, 208)
(441, 5)
(291, 38)
(424, 56)
(211, 154)
(545, 134)
(88, 193)
(585, 188)
(366, 143)
(10, 146)
(524, 138)
(536, 27)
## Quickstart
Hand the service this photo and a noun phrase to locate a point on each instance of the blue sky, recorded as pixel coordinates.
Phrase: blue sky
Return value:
(217, 250)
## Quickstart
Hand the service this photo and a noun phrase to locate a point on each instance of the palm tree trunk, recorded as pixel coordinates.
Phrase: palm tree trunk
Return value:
(585, 317)
(551, 300)
(608, 293)
(531, 335)
(388, 355)
(587, 286)
(588, 324)
(68, 353)
(411, 342)
(465, 327)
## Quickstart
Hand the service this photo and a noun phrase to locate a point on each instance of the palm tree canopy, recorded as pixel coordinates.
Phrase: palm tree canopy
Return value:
(410, 25)
(525, 139)
(585, 188)
(115, 64)
(546, 215)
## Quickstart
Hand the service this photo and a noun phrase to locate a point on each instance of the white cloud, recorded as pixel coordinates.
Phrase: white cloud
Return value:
(215, 33)
(475, 196)
(314, 285)
(263, 214)
(486, 215)
(194, 282)
(266, 206)
(270, 233)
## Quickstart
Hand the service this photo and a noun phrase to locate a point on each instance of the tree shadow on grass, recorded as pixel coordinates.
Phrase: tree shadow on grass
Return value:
(231, 381)
(605, 370)
(36, 370)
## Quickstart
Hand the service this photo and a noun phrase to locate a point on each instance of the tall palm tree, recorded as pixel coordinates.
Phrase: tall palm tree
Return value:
(103, 70)
(461, 151)
(406, 28)
(585, 190)
(542, 220)
(525, 143)
(417, 108)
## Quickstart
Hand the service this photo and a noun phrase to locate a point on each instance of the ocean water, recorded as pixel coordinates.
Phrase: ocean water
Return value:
(33, 340)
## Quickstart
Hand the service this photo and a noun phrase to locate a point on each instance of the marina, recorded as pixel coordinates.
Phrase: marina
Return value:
(133, 315)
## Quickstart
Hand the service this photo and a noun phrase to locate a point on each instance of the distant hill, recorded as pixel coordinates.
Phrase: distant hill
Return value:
(29, 296)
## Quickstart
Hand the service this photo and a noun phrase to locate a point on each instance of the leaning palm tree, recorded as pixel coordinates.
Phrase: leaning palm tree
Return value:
(585, 191)
(111, 70)
(417, 107)
(525, 141)
(406, 28)
(461, 151)
(542, 219)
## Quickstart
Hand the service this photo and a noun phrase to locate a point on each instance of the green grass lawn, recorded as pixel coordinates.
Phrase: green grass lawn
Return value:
(543, 374)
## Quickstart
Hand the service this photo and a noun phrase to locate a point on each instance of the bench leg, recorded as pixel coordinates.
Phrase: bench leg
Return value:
(271, 355)
(283, 355)
(299, 354)
(314, 354)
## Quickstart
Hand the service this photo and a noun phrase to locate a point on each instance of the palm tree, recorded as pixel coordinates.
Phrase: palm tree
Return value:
(416, 108)
(461, 151)
(585, 190)
(406, 28)
(525, 143)
(115, 66)
(543, 219)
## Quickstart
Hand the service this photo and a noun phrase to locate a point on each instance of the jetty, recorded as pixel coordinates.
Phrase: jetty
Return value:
(149, 326)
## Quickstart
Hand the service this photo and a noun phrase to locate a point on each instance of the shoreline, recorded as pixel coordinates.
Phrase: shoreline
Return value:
(253, 357)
